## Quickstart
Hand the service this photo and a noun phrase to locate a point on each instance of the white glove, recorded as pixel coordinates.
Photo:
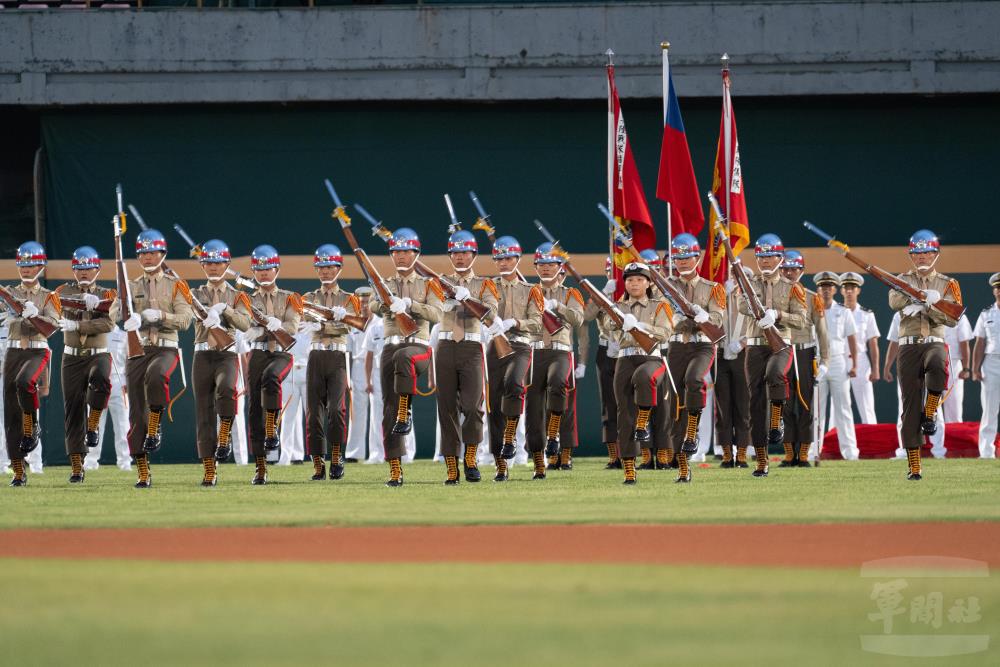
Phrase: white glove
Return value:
(399, 306)
(550, 304)
(449, 305)
(509, 324)
(700, 314)
(581, 369)
(339, 312)
(770, 317)
(29, 310)
(734, 346)
(629, 322)
(730, 286)
(933, 296)
(68, 325)
(914, 309)
(219, 307)
(133, 322)
(821, 372)
(612, 349)
(609, 287)
(309, 327)
(496, 328)
(273, 324)
(462, 293)
(212, 319)
(91, 300)
(151, 315)
(253, 333)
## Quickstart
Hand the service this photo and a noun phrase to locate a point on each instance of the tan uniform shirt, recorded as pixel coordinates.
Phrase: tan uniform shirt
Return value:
(283, 304)
(425, 297)
(931, 322)
(523, 302)
(815, 331)
(167, 294)
(48, 309)
(569, 306)
(458, 319)
(332, 333)
(94, 326)
(781, 295)
(700, 292)
(235, 316)
(654, 314)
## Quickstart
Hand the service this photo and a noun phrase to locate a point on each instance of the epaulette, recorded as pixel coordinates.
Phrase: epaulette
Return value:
(719, 294)
(295, 301)
(535, 294)
(866, 310)
(355, 303)
(434, 286)
(574, 293)
(955, 290)
(492, 287)
(53, 298)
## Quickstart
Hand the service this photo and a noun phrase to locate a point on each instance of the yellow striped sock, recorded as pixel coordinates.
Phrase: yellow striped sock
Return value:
(628, 463)
(471, 454)
(94, 419)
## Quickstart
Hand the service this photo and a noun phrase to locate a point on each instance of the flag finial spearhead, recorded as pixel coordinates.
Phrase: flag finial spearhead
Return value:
(610, 54)
(725, 61)
(665, 46)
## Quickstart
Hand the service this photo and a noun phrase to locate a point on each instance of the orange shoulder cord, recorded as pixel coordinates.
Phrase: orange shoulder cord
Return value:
(53, 298)
(719, 294)
(574, 293)
(799, 293)
(182, 287)
(536, 295)
(110, 294)
(354, 302)
(489, 285)
(667, 310)
(955, 291)
(295, 301)
(818, 305)
(241, 297)
(434, 286)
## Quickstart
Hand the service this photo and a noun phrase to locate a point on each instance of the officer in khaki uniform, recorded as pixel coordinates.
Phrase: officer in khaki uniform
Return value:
(86, 361)
(552, 365)
(161, 309)
(459, 363)
(27, 358)
(269, 363)
(767, 372)
(923, 360)
(215, 372)
(605, 363)
(519, 317)
(691, 352)
(404, 358)
(639, 376)
(328, 372)
(799, 416)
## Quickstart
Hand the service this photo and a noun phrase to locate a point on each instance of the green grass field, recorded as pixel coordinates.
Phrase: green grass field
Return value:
(961, 489)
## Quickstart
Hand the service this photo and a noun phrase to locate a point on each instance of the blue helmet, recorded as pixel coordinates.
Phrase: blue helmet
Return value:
(264, 257)
(924, 240)
(85, 257)
(31, 253)
(546, 254)
(684, 246)
(150, 240)
(506, 246)
(769, 245)
(404, 238)
(650, 258)
(462, 241)
(327, 255)
(793, 260)
(214, 251)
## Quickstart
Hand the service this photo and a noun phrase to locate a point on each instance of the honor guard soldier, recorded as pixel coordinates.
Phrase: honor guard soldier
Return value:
(27, 357)
(459, 362)
(767, 372)
(658, 453)
(161, 309)
(834, 381)
(328, 371)
(519, 317)
(552, 366)
(215, 371)
(868, 352)
(986, 369)
(922, 364)
(605, 361)
(86, 361)
(404, 358)
(732, 395)
(812, 352)
(639, 376)
(269, 363)
(691, 352)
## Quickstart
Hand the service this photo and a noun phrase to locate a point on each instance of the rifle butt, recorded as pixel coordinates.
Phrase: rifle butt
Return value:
(221, 339)
(774, 340)
(644, 340)
(476, 308)
(951, 309)
(134, 345)
(356, 321)
(407, 325)
(552, 322)
(43, 326)
(714, 333)
(283, 338)
(502, 346)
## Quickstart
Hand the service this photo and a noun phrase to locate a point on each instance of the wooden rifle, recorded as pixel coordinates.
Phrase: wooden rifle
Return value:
(76, 303)
(41, 325)
(326, 314)
(134, 344)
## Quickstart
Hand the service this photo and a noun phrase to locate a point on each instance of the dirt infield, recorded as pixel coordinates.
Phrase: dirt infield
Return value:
(813, 545)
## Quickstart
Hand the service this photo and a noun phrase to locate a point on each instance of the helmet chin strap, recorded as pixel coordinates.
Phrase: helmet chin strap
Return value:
(925, 269)
(270, 282)
(689, 272)
(404, 269)
(155, 267)
(216, 279)
(768, 272)
(327, 282)
(34, 279)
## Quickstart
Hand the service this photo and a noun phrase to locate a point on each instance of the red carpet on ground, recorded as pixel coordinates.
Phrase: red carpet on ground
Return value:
(879, 441)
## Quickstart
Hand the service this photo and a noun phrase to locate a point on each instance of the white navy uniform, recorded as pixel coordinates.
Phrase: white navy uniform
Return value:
(293, 392)
(861, 386)
(117, 408)
(835, 387)
(953, 338)
(937, 440)
(988, 328)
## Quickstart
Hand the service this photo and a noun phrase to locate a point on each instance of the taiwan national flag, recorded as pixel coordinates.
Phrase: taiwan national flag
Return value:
(676, 183)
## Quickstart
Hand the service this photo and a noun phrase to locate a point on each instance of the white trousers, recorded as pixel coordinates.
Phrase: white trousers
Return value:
(861, 389)
(118, 409)
(990, 399)
(952, 405)
(937, 440)
(835, 390)
(376, 453)
(706, 426)
(357, 437)
(293, 392)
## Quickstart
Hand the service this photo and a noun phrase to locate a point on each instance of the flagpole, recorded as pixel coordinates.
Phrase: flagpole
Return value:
(611, 146)
(728, 134)
(665, 48)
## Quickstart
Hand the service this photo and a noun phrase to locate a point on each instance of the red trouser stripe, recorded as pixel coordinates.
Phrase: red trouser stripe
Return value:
(653, 379)
(166, 381)
(33, 380)
(413, 366)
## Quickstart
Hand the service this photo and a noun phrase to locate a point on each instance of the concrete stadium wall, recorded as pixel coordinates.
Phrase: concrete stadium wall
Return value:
(494, 53)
